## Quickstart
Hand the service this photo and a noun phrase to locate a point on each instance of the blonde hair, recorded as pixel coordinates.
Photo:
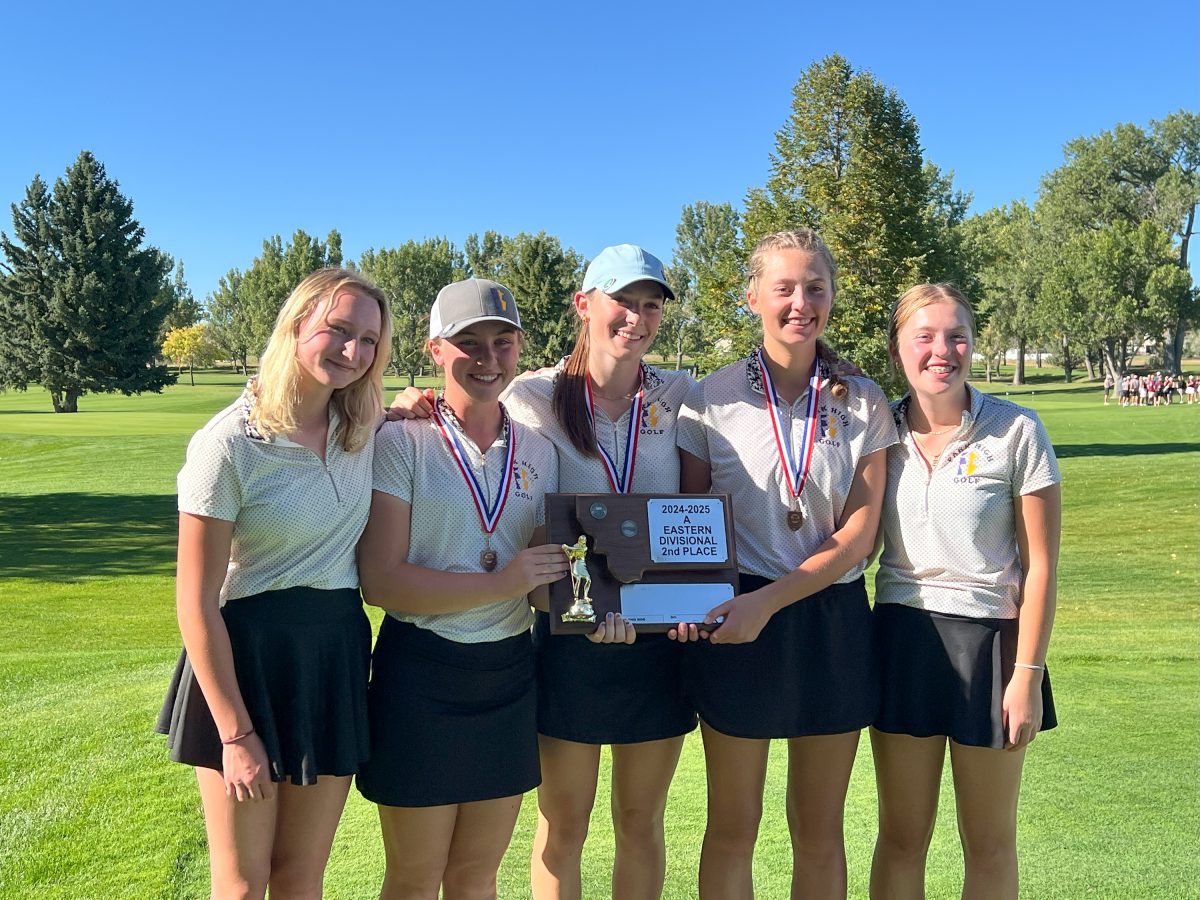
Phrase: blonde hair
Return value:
(276, 390)
(918, 297)
(810, 242)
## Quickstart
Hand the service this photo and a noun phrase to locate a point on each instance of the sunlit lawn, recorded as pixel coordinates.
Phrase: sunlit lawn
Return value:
(90, 806)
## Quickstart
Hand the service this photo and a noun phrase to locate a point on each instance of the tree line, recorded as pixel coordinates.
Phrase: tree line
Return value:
(1091, 271)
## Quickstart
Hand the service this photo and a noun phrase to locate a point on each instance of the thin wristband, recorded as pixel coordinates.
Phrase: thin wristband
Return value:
(237, 737)
(1030, 666)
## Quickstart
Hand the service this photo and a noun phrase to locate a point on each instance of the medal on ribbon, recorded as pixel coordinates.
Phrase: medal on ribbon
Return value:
(796, 465)
(621, 480)
(489, 511)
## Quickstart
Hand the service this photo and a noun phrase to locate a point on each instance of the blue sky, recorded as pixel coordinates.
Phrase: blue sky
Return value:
(227, 123)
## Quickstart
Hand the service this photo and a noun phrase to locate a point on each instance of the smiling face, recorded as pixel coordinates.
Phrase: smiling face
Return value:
(933, 348)
(623, 324)
(336, 345)
(480, 361)
(794, 295)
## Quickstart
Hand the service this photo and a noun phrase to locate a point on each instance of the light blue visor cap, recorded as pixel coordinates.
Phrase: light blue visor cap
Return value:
(622, 265)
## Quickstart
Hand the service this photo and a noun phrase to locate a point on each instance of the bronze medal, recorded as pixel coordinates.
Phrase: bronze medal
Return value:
(487, 559)
(795, 519)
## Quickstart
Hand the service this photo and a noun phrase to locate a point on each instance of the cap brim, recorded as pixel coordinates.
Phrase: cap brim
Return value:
(612, 289)
(467, 323)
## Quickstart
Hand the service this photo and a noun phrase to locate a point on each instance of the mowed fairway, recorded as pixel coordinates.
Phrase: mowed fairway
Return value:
(91, 807)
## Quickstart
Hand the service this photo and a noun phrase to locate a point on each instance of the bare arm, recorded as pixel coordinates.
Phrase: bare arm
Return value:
(202, 559)
(390, 581)
(695, 475)
(848, 546)
(1039, 529)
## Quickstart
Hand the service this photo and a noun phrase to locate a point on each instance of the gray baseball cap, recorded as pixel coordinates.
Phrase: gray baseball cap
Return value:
(466, 302)
(622, 265)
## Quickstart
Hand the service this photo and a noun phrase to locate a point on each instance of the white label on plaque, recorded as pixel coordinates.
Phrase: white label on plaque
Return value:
(687, 530)
(663, 604)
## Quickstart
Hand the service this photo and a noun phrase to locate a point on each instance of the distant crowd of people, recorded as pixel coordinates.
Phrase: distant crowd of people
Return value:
(1155, 389)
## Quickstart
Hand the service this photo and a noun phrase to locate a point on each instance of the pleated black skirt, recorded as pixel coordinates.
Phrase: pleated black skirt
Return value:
(945, 675)
(610, 693)
(301, 656)
(450, 722)
(812, 670)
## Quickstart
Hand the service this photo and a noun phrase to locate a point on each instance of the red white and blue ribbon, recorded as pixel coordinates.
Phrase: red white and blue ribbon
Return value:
(489, 513)
(795, 468)
(620, 480)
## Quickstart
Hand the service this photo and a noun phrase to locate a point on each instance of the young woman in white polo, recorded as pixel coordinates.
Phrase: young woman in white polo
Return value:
(964, 603)
(802, 452)
(269, 699)
(612, 419)
(453, 550)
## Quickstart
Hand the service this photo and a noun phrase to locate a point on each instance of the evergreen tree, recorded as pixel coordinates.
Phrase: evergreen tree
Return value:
(26, 331)
(88, 291)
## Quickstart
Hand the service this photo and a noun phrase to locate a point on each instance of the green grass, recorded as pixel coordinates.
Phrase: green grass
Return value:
(90, 806)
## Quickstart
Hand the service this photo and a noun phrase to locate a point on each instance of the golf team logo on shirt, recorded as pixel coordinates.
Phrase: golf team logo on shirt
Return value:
(970, 459)
(524, 476)
(966, 463)
(833, 422)
(652, 417)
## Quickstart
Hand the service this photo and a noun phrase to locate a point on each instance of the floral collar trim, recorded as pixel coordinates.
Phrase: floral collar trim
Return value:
(246, 405)
(447, 413)
(754, 372)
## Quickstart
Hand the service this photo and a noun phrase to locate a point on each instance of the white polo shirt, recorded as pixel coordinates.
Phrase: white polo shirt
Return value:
(725, 422)
(656, 463)
(412, 462)
(296, 519)
(950, 538)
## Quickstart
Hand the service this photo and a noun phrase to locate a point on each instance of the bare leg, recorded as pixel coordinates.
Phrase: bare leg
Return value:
(908, 775)
(304, 829)
(565, 799)
(987, 784)
(641, 776)
(737, 772)
(240, 838)
(482, 833)
(819, 769)
(416, 844)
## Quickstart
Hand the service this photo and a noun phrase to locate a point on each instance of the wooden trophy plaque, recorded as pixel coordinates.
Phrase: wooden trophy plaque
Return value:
(657, 559)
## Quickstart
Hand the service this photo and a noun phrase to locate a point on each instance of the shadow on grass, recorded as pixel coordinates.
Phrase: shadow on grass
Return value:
(69, 537)
(1150, 448)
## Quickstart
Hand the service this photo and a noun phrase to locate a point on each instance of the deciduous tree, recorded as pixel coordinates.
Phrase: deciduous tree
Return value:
(189, 346)
(543, 278)
(276, 272)
(411, 275)
(848, 163)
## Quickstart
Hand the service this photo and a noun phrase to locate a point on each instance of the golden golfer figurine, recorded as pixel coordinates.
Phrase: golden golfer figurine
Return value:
(581, 582)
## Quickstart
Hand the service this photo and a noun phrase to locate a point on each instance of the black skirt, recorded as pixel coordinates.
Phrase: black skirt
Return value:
(610, 693)
(450, 722)
(945, 675)
(812, 670)
(301, 656)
